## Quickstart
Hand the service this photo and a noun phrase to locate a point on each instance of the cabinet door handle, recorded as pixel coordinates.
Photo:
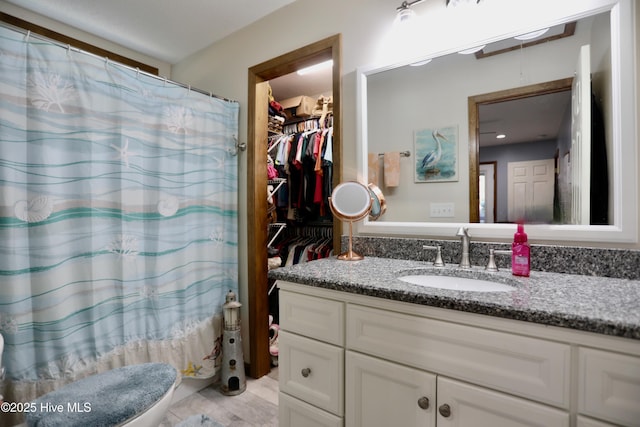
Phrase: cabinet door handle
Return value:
(305, 372)
(445, 410)
(423, 402)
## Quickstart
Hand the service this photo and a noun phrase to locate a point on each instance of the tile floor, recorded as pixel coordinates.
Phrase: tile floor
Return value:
(257, 406)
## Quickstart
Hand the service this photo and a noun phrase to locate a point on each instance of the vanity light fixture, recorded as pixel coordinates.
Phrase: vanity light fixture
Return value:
(532, 34)
(454, 3)
(404, 13)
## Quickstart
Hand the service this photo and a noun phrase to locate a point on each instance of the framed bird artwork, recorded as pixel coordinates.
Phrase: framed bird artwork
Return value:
(436, 154)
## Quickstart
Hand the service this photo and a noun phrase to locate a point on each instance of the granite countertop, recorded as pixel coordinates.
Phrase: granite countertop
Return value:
(588, 303)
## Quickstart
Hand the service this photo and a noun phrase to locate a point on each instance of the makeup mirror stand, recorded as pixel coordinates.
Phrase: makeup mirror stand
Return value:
(350, 201)
(350, 255)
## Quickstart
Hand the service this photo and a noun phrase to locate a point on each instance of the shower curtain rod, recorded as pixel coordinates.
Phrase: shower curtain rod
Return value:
(28, 34)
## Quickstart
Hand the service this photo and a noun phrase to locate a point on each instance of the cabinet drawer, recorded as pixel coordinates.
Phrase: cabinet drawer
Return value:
(468, 405)
(609, 386)
(313, 317)
(528, 367)
(312, 371)
(295, 413)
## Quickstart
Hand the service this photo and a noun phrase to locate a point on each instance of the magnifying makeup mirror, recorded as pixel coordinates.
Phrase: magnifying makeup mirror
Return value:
(378, 202)
(350, 201)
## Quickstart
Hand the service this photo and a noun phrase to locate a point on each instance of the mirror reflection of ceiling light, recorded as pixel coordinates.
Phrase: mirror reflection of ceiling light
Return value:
(531, 35)
(314, 68)
(420, 63)
(472, 50)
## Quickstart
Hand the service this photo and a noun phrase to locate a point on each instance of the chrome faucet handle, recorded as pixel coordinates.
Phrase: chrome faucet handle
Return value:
(438, 261)
(491, 265)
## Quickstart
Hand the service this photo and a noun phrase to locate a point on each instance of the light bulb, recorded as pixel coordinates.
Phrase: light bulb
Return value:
(404, 16)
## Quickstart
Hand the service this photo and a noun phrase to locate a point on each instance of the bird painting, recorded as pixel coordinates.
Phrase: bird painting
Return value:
(431, 159)
(439, 162)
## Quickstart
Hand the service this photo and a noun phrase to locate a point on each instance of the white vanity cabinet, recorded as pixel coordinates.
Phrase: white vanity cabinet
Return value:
(388, 363)
(311, 361)
(441, 351)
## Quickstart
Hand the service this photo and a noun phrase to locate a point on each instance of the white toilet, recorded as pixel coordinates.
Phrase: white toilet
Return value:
(134, 396)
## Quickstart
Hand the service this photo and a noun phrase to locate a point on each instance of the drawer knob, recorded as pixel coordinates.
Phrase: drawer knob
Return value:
(445, 410)
(423, 402)
(305, 372)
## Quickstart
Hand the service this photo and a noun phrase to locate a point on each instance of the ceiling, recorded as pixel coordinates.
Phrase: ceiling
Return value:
(292, 85)
(536, 118)
(172, 30)
(168, 30)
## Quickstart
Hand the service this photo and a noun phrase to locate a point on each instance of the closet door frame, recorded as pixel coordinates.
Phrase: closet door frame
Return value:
(257, 133)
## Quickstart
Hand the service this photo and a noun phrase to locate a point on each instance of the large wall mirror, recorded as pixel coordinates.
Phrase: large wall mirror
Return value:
(534, 127)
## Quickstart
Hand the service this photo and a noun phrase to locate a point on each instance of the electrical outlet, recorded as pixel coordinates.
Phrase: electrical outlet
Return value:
(442, 210)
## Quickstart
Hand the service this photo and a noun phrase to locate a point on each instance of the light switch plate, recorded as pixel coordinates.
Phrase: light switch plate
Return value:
(442, 210)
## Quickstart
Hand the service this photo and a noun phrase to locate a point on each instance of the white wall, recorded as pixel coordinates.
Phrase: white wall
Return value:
(164, 68)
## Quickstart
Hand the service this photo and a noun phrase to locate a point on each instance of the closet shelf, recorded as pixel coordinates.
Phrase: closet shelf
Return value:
(278, 182)
(278, 226)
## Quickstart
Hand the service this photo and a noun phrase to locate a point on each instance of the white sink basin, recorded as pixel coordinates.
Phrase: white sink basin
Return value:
(456, 283)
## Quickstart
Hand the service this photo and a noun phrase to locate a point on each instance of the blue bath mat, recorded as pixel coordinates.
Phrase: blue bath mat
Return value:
(199, 421)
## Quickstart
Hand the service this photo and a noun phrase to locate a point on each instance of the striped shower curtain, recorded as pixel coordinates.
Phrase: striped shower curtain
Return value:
(118, 217)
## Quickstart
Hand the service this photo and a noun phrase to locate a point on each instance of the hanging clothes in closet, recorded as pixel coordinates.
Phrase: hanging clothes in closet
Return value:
(305, 159)
(310, 243)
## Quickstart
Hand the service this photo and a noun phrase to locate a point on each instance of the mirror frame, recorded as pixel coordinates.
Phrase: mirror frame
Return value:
(624, 228)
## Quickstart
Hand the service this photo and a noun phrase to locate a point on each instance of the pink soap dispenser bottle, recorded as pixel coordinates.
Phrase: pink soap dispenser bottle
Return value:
(520, 253)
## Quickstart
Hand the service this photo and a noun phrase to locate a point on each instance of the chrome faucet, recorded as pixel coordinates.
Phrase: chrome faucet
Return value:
(465, 239)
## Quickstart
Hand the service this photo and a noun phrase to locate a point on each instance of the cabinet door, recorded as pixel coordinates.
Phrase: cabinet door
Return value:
(380, 393)
(463, 405)
(295, 413)
(590, 422)
(609, 386)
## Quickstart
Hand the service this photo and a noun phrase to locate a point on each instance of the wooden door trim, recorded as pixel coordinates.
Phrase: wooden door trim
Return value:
(257, 283)
(474, 103)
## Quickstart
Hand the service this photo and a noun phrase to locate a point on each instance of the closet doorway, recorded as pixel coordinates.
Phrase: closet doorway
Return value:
(257, 224)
